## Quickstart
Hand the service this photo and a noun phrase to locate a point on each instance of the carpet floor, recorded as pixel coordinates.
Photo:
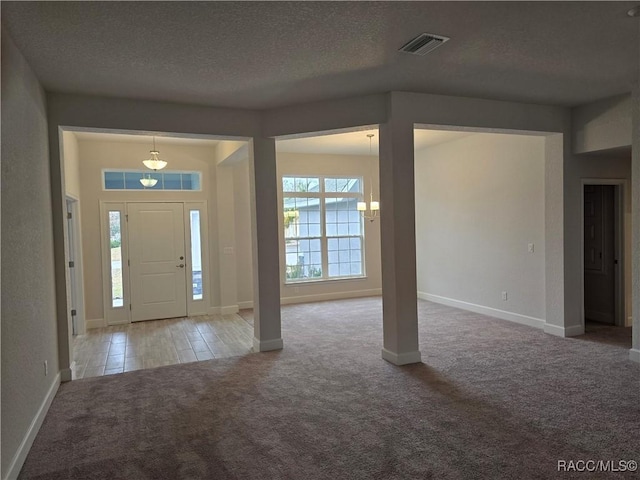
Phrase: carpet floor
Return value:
(491, 400)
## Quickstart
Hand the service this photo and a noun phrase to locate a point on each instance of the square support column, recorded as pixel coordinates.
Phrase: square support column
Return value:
(634, 353)
(398, 242)
(264, 241)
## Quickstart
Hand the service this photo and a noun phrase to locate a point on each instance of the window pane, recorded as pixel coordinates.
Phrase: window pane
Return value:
(114, 180)
(115, 249)
(301, 217)
(301, 262)
(187, 182)
(314, 230)
(132, 180)
(196, 254)
(288, 184)
(300, 185)
(345, 256)
(338, 185)
(191, 181)
(330, 185)
(313, 184)
(172, 181)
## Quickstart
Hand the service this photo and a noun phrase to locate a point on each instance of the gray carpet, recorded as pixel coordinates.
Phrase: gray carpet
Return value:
(492, 400)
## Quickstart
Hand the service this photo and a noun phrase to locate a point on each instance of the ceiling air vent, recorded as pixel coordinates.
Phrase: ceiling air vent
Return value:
(423, 44)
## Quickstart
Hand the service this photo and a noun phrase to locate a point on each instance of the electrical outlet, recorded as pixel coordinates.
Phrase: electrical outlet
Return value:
(46, 368)
(504, 296)
(530, 248)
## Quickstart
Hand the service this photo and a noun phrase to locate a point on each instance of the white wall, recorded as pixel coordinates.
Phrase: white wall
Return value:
(244, 260)
(97, 155)
(29, 325)
(479, 203)
(602, 125)
(71, 165)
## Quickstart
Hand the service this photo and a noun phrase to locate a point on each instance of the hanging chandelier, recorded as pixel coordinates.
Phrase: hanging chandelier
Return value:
(153, 163)
(374, 207)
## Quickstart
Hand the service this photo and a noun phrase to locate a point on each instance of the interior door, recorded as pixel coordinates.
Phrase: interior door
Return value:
(599, 253)
(157, 261)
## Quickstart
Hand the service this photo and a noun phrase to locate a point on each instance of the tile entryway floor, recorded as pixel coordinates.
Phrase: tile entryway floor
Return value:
(123, 348)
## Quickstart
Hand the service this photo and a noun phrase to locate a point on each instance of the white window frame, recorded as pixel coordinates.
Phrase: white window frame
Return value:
(322, 195)
(143, 171)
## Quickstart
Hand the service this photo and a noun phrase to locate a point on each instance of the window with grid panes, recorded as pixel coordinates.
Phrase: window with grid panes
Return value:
(323, 230)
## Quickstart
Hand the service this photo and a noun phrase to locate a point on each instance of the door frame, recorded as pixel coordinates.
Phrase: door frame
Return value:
(621, 190)
(122, 315)
(75, 288)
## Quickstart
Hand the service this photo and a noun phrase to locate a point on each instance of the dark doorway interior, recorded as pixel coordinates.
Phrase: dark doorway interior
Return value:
(599, 254)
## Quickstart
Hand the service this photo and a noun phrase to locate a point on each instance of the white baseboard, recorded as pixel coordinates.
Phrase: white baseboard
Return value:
(95, 323)
(491, 312)
(225, 310)
(603, 317)
(405, 358)
(320, 297)
(634, 355)
(571, 331)
(330, 296)
(267, 345)
(30, 436)
(123, 322)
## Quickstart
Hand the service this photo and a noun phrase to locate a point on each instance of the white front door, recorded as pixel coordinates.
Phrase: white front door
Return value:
(157, 257)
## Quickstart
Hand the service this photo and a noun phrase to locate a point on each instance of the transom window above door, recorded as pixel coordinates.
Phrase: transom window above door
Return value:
(323, 230)
(167, 180)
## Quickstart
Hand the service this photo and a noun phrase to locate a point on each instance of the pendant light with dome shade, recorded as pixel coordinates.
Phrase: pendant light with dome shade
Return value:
(153, 163)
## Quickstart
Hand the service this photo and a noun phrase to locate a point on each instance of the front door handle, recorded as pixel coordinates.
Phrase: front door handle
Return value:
(180, 266)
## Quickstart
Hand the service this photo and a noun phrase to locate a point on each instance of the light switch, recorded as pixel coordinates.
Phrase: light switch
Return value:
(530, 248)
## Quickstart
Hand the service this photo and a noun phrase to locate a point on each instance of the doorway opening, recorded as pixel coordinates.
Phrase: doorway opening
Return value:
(603, 254)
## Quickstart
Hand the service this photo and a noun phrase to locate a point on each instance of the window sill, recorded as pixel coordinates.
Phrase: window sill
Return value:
(325, 280)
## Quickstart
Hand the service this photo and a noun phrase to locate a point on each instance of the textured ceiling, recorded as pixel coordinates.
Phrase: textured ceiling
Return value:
(269, 54)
